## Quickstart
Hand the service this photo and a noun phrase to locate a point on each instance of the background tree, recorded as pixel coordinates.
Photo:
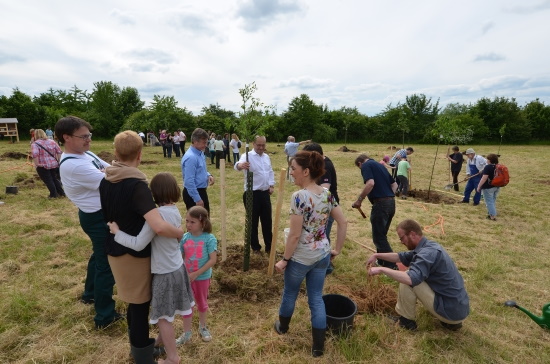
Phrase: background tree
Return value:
(303, 120)
(537, 115)
(499, 111)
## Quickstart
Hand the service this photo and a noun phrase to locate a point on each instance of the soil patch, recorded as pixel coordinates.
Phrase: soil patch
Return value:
(149, 162)
(106, 156)
(253, 285)
(14, 155)
(543, 182)
(435, 197)
(346, 149)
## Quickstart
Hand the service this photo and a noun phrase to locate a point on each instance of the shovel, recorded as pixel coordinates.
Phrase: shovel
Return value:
(450, 185)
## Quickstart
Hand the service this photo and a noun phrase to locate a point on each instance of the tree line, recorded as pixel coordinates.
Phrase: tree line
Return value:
(417, 119)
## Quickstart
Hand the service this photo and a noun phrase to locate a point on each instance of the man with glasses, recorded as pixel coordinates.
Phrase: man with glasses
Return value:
(81, 173)
(432, 278)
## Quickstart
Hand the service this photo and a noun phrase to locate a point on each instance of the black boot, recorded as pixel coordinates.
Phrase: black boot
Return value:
(144, 355)
(318, 342)
(281, 325)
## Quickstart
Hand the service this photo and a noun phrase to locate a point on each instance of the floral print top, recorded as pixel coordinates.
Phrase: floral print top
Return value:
(315, 209)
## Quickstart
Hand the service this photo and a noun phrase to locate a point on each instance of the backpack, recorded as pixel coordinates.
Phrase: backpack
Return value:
(501, 176)
(239, 144)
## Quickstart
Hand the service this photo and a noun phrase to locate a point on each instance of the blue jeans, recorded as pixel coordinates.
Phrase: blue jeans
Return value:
(315, 280)
(328, 227)
(236, 157)
(490, 196)
(381, 216)
(471, 185)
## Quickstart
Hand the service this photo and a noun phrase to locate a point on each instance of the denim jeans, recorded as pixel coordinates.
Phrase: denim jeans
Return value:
(328, 227)
(490, 197)
(471, 185)
(236, 157)
(381, 215)
(315, 280)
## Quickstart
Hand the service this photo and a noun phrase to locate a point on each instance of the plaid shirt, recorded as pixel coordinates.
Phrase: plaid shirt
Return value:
(43, 158)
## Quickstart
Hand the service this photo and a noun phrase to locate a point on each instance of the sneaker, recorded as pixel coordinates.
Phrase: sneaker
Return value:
(452, 327)
(404, 322)
(205, 333)
(184, 338)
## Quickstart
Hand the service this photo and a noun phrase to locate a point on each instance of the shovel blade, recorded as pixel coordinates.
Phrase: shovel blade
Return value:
(448, 187)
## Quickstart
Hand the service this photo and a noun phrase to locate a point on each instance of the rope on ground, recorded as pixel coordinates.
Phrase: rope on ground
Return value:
(440, 221)
(27, 163)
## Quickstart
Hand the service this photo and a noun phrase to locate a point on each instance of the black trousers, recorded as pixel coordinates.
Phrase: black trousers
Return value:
(189, 202)
(219, 156)
(182, 146)
(261, 212)
(51, 179)
(455, 179)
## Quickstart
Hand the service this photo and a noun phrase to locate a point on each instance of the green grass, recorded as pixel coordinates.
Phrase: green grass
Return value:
(44, 253)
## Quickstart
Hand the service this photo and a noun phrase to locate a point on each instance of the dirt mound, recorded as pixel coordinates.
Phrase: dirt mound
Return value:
(253, 285)
(149, 162)
(373, 297)
(435, 197)
(346, 149)
(14, 155)
(543, 182)
(392, 147)
(106, 156)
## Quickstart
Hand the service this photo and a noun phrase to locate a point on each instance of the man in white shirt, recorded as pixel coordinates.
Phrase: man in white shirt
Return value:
(259, 164)
(81, 173)
(183, 139)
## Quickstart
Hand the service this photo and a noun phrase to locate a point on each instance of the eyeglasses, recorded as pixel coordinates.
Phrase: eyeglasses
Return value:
(83, 137)
(402, 236)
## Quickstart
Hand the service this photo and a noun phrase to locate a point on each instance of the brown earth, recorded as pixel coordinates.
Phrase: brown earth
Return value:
(14, 155)
(434, 197)
(346, 149)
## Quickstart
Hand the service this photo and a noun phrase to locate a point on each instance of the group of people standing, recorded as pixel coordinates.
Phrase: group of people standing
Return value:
(138, 241)
(223, 148)
(169, 142)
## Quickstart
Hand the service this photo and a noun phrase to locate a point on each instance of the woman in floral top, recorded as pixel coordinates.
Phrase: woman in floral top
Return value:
(307, 251)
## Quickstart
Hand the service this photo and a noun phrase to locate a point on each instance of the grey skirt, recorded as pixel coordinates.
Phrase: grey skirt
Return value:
(172, 295)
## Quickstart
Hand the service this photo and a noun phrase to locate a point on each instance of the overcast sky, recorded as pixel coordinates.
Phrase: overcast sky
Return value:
(355, 53)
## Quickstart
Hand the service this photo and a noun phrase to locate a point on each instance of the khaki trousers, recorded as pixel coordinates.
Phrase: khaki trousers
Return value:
(406, 301)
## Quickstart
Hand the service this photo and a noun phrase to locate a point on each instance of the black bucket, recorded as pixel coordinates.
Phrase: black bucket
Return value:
(11, 190)
(340, 313)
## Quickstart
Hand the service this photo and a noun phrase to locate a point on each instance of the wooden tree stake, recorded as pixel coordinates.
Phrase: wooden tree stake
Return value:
(223, 209)
(275, 238)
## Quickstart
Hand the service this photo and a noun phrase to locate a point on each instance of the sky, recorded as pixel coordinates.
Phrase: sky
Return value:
(354, 53)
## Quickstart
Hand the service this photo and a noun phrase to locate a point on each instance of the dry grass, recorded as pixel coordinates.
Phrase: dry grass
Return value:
(44, 254)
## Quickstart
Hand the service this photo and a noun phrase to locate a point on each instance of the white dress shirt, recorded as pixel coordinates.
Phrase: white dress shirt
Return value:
(260, 165)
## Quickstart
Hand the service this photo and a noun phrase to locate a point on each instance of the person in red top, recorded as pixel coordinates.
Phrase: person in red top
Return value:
(45, 157)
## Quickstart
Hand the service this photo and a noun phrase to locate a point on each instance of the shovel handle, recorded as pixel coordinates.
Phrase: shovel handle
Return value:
(362, 213)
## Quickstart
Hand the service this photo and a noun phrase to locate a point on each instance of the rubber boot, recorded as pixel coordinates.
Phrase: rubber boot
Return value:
(281, 325)
(144, 355)
(318, 347)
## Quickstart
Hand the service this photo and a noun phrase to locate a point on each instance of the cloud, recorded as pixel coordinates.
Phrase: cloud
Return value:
(544, 5)
(151, 55)
(506, 82)
(305, 82)
(486, 27)
(491, 57)
(8, 58)
(122, 17)
(194, 24)
(261, 13)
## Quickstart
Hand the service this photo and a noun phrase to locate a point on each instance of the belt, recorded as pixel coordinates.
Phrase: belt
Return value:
(382, 199)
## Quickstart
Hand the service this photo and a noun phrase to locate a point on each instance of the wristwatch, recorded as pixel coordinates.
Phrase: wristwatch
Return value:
(286, 260)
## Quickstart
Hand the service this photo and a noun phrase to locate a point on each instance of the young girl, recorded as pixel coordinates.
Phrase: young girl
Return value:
(198, 247)
(171, 287)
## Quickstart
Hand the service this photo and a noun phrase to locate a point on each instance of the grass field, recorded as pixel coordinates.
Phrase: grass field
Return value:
(43, 257)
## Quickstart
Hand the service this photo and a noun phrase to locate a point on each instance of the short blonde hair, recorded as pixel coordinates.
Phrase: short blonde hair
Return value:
(128, 145)
(39, 134)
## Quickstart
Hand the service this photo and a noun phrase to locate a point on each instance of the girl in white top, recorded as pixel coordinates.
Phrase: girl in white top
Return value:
(172, 293)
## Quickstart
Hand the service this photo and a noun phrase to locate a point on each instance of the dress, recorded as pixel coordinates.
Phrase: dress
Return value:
(81, 175)
(490, 193)
(383, 206)
(260, 166)
(195, 178)
(171, 288)
(311, 256)
(430, 263)
(44, 154)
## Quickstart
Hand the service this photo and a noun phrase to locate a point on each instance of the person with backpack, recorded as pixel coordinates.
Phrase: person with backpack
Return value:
(490, 192)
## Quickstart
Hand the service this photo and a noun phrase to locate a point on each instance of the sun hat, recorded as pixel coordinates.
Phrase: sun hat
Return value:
(470, 151)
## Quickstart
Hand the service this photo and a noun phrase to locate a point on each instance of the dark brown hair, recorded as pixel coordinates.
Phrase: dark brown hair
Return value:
(200, 213)
(410, 225)
(493, 158)
(312, 161)
(68, 125)
(165, 189)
